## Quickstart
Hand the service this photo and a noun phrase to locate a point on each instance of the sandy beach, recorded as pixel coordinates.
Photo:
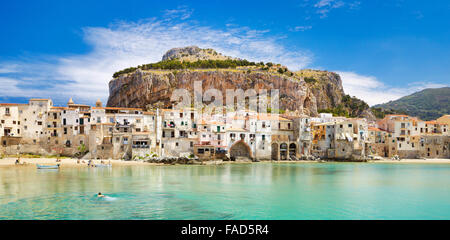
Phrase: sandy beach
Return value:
(83, 163)
(67, 162)
(429, 160)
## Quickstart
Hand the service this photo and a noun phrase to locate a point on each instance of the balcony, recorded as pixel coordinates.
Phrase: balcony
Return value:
(140, 146)
(169, 125)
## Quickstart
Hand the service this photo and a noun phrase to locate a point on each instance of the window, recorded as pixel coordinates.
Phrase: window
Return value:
(39, 123)
(176, 144)
(162, 145)
(263, 137)
(65, 130)
(191, 144)
(7, 111)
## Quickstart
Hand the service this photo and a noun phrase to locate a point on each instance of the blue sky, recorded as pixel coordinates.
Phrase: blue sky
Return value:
(382, 49)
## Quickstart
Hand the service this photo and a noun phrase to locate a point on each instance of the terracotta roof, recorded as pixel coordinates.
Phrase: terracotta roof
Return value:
(39, 99)
(12, 104)
(397, 115)
(117, 108)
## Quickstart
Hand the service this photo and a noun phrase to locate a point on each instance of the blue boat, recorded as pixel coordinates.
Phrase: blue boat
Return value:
(47, 166)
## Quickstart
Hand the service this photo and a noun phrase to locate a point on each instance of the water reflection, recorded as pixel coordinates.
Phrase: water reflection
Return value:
(237, 191)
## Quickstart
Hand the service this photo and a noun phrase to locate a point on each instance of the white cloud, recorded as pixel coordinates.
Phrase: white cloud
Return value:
(182, 12)
(9, 68)
(371, 90)
(325, 6)
(85, 77)
(11, 88)
(300, 28)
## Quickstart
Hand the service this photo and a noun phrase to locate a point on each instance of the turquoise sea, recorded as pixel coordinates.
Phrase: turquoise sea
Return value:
(232, 191)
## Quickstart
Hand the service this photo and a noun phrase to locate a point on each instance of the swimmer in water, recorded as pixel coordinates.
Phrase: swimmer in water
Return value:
(100, 195)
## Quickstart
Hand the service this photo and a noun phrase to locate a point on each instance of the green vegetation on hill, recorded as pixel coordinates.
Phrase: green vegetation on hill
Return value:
(380, 112)
(199, 64)
(427, 104)
(349, 107)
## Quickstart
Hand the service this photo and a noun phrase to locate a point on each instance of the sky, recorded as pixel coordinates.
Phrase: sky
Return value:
(382, 49)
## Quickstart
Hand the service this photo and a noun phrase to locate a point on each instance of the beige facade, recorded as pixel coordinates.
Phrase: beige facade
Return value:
(98, 132)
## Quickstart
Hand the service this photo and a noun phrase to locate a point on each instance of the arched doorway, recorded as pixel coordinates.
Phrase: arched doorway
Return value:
(240, 149)
(274, 151)
(293, 151)
(283, 151)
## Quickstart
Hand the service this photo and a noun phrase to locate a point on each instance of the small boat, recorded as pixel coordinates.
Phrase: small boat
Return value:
(103, 165)
(47, 166)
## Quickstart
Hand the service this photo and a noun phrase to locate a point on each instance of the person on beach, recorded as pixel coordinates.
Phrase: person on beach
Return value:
(17, 162)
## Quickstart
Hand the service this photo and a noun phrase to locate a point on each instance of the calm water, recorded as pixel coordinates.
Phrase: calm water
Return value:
(244, 191)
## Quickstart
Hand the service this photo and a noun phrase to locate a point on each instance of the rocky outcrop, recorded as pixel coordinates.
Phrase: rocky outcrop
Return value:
(155, 88)
(302, 92)
(193, 53)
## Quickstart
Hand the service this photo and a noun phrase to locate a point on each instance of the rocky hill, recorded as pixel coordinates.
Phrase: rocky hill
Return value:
(193, 53)
(307, 91)
(427, 104)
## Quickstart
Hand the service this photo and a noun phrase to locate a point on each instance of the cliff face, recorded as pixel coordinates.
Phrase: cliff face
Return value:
(155, 88)
(302, 92)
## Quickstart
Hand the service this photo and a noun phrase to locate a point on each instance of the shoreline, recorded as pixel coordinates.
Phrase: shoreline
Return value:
(72, 162)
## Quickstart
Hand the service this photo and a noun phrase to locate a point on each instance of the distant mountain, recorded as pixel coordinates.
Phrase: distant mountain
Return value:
(427, 104)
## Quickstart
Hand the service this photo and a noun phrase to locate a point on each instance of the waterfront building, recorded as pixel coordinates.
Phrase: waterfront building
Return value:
(99, 132)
